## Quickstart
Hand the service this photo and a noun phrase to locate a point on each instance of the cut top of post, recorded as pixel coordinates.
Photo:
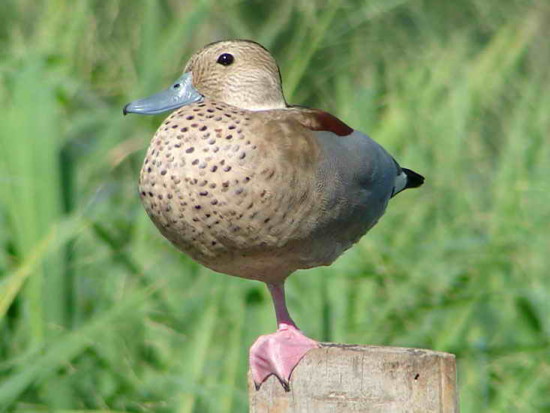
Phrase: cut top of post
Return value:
(350, 378)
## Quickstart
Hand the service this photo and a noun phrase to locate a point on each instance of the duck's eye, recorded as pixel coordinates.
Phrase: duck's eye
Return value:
(177, 85)
(225, 59)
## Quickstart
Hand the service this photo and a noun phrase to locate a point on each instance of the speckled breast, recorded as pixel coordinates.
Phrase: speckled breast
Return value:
(225, 192)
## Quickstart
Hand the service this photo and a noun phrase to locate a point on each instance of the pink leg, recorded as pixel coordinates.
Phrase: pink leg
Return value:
(280, 352)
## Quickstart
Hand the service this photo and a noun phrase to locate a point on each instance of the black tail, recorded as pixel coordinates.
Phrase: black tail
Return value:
(414, 180)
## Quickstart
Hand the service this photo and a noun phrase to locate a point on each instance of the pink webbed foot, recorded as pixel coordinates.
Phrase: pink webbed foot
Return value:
(278, 354)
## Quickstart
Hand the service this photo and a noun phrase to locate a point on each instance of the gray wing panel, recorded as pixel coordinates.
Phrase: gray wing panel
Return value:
(356, 170)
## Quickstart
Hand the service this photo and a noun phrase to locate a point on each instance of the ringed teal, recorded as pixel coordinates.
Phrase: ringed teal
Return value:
(250, 186)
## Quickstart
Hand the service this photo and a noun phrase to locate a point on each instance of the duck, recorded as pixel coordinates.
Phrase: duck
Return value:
(250, 186)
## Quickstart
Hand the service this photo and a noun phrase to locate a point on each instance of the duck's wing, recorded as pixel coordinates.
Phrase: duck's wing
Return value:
(357, 171)
(354, 155)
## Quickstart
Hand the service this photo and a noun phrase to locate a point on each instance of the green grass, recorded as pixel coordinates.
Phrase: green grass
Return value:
(99, 313)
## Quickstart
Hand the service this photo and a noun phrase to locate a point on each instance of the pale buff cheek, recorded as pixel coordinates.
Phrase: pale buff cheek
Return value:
(209, 86)
(254, 90)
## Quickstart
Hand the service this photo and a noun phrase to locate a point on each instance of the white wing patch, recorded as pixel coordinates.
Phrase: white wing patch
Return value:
(400, 183)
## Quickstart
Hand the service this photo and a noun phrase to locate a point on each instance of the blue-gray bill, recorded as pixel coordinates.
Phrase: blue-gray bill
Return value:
(181, 93)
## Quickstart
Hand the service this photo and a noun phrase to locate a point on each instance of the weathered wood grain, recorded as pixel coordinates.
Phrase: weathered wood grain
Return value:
(349, 378)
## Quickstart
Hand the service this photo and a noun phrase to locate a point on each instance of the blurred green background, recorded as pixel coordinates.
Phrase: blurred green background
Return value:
(99, 313)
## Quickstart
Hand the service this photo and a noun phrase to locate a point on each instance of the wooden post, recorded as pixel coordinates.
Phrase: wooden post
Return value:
(348, 378)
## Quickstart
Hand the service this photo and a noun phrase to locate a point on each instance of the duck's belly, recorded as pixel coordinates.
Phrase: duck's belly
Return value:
(226, 197)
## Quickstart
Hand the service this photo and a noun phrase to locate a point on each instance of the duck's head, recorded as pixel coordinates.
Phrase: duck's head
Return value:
(241, 73)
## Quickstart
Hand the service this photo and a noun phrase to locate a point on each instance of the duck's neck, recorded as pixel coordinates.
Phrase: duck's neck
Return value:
(254, 93)
(256, 101)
